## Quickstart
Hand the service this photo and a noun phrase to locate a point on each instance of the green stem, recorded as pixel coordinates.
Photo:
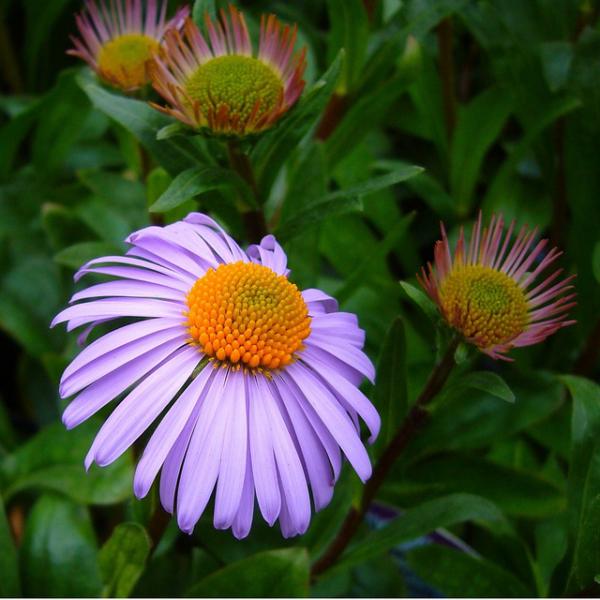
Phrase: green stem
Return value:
(254, 219)
(413, 422)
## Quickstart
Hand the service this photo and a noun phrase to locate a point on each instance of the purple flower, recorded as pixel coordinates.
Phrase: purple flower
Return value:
(255, 382)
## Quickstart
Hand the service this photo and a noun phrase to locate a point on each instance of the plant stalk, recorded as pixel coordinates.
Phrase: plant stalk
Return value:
(254, 219)
(413, 422)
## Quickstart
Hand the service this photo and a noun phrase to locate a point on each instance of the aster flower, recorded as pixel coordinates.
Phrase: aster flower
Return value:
(219, 84)
(486, 292)
(118, 41)
(256, 381)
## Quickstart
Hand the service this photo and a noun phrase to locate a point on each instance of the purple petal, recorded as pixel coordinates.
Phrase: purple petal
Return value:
(343, 389)
(333, 417)
(139, 409)
(314, 458)
(310, 352)
(233, 458)
(270, 254)
(115, 339)
(136, 289)
(286, 386)
(169, 430)
(134, 273)
(100, 393)
(291, 473)
(95, 369)
(263, 459)
(119, 307)
(350, 355)
(243, 520)
(319, 302)
(201, 465)
(135, 262)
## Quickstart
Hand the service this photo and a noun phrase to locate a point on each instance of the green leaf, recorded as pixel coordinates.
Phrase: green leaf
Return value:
(122, 559)
(273, 574)
(342, 202)
(201, 7)
(17, 321)
(517, 492)
(397, 174)
(421, 520)
(584, 475)
(422, 300)
(545, 118)
(476, 419)
(433, 194)
(586, 562)
(556, 58)
(168, 131)
(551, 544)
(58, 555)
(78, 254)
(391, 393)
(368, 111)
(455, 573)
(52, 140)
(335, 204)
(174, 154)
(195, 181)
(479, 124)
(360, 276)
(53, 460)
(489, 382)
(349, 30)
(41, 19)
(274, 148)
(10, 584)
(124, 198)
(13, 133)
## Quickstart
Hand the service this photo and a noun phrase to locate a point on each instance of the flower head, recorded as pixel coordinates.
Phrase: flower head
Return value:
(254, 381)
(119, 42)
(219, 84)
(486, 292)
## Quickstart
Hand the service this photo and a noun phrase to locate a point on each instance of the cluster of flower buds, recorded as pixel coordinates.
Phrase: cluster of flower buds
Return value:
(212, 81)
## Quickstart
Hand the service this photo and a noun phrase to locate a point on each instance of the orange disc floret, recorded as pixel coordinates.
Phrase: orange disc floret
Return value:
(245, 314)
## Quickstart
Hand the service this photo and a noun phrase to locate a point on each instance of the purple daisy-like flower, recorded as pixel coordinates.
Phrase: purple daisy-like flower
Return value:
(118, 41)
(255, 382)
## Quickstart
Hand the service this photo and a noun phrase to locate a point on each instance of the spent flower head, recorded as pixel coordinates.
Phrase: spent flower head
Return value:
(486, 292)
(219, 84)
(254, 382)
(119, 40)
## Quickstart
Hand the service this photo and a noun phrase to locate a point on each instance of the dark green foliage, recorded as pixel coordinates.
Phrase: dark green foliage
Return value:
(414, 112)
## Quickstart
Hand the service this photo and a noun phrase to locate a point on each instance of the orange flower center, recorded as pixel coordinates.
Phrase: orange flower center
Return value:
(245, 314)
(122, 61)
(485, 305)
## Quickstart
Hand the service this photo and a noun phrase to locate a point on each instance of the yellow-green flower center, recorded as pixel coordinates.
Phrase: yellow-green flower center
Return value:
(485, 305)
(122, 61)
(235, 83)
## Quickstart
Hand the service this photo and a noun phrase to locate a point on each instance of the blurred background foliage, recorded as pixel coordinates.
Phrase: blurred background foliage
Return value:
(499, 102)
